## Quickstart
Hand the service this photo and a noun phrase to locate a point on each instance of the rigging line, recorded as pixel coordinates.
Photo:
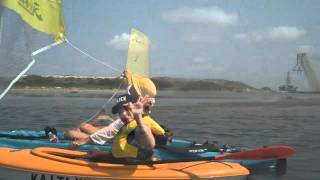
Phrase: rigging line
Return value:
(1, 29)
(45, 48)
(17, 78)
(91, 57)
(28, 67)
(97, 113)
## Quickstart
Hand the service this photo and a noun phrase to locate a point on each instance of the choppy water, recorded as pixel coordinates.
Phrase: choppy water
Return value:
(250, 119)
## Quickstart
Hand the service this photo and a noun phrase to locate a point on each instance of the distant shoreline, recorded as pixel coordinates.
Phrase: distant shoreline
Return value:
(63, 92)
(74, 86)
(93, 93)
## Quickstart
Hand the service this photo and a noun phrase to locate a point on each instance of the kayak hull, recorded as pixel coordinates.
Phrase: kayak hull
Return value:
(12, 174)
(29, 139)
(52, 163)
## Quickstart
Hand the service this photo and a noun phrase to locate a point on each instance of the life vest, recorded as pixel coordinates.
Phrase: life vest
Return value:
(120, 146)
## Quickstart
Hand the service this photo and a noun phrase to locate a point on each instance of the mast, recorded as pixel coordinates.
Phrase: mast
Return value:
(288, 80)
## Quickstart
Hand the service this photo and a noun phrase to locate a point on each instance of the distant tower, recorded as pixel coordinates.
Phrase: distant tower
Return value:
(288, 87)
(304, 65)
(298, 67)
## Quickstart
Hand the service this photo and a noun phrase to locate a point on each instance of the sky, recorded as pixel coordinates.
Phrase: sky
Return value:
(254, 42)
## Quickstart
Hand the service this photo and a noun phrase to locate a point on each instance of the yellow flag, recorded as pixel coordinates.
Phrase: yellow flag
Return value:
(43, 15)
(138, 54)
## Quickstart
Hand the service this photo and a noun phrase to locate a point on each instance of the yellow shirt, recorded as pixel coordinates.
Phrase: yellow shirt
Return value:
(120, 146)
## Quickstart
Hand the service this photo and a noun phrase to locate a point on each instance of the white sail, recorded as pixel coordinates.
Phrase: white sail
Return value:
(23, 35)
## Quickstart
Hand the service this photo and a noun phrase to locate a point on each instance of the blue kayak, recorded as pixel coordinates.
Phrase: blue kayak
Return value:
(177, 150)
(29, 139)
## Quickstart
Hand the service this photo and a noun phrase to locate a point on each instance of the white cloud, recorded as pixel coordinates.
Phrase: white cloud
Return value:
(195, 38)
(119, 42)
(210, 15)
(285, 32)
(280, 33)
(251, 36)
(199, 37)
(241, 36)
(259, 36)
(201, 66)
(199, 60)
(305, 48)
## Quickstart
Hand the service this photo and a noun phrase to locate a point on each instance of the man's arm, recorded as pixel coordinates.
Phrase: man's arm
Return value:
(143, 132)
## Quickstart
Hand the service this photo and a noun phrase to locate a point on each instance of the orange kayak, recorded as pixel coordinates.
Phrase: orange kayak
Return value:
(59, 164)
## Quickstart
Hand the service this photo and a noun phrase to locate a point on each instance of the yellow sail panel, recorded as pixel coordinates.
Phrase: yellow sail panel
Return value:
(43, 15)
(137, 70)
(138, 54)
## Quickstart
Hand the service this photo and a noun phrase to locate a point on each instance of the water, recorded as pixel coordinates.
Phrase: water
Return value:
(250, 119)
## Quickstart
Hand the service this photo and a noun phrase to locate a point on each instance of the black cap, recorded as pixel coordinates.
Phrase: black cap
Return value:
(122, 100)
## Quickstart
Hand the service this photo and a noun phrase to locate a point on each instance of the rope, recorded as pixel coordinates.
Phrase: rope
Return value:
(79, 50)
(92, 58)
(17, 78)
(46, 48)
(103, 107)
(105, 64)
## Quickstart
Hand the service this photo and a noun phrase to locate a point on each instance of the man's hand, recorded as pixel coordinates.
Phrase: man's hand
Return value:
(137, 108)
(77, 143)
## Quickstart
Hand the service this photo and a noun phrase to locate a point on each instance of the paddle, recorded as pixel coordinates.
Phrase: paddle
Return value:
(265, 153)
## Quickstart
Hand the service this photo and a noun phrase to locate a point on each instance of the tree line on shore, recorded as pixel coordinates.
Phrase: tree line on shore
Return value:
(162, 83)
